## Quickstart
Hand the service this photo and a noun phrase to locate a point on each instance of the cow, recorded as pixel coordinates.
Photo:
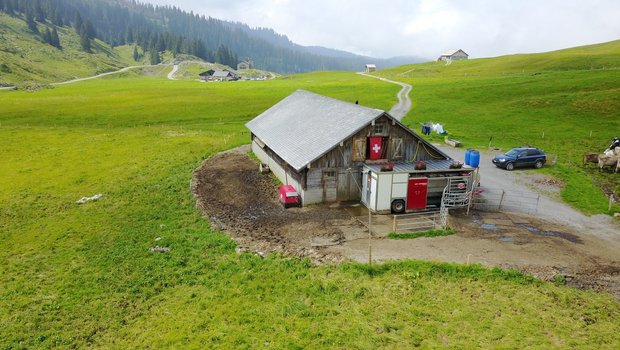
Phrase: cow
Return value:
(605, 160)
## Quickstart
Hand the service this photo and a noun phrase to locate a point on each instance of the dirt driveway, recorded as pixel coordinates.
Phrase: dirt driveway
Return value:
(242, 202)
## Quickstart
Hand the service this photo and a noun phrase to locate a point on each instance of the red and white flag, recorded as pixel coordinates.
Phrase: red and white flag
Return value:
(376, 143)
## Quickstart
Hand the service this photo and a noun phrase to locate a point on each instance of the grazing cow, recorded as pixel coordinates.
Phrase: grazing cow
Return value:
(607, 161)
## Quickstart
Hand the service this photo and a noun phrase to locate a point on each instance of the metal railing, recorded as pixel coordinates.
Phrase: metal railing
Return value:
(419, 221)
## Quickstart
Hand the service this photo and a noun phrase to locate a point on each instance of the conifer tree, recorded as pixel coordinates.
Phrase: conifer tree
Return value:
(77, 22)
(55, 38)
(30, 21)
(84, 40)
(136, 56)
(47, 36)
(154, 56)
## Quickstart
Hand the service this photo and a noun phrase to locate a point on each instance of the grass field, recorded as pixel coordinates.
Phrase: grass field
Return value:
(565, 102)
(76, 276)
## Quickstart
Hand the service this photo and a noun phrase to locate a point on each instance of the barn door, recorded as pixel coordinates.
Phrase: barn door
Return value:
(396, 148)
(329, 185)
(359, 150)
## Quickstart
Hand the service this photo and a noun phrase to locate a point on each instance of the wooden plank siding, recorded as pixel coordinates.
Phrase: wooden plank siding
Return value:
(337, 175)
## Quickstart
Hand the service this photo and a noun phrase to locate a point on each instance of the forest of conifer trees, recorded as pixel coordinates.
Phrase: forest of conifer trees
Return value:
(168, 28)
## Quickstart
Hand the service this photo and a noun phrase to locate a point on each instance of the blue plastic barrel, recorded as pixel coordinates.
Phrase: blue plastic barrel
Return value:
(467, 156)
(474, 159)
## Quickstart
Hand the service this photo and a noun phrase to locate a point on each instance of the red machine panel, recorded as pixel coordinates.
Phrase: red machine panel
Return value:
(289, 197)
(416, 193)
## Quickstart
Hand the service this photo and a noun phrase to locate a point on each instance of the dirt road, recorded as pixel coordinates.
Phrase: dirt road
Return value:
(99, 75)
(238, 200)
(404, 102)
(173, 72)
(550, 206)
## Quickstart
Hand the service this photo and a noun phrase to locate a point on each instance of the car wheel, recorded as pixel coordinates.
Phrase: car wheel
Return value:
(510, 166)
(539, 164)
(398, 206)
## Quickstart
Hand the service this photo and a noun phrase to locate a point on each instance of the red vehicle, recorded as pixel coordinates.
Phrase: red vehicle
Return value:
(289, 197)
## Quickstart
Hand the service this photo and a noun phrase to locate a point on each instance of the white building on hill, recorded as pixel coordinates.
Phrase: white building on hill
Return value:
(453, 55)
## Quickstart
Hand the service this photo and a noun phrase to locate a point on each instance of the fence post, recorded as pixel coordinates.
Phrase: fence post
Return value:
(394, 223)
(501, 200)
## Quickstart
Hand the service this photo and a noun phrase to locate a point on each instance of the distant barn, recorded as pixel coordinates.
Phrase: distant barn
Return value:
(453, 55)
(370, 68)
(320, 145)
(246, 64)
(218, 75)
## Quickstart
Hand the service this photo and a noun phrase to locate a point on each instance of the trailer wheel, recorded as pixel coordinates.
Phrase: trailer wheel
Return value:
(398, 206)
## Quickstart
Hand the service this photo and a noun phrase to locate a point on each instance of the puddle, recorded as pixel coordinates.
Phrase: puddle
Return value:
(506, 239)
(476, 219)
(489, 227)
(535, 230)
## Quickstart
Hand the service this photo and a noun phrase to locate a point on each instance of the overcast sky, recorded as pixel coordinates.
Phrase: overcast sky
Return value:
(482, 28)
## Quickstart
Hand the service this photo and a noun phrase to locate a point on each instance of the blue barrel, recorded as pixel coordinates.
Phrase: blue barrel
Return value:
(474, 159)
(467, 156)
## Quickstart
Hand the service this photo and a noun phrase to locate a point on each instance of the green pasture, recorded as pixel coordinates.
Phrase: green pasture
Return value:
(566, 102)
(82, 276)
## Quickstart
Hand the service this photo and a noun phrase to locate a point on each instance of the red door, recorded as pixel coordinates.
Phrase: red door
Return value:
(416, 193)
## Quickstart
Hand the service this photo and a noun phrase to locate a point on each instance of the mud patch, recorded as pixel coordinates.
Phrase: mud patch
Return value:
(535, 230)
(238, 199)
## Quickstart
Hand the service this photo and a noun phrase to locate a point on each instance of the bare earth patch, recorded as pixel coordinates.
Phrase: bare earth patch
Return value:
(242, 202)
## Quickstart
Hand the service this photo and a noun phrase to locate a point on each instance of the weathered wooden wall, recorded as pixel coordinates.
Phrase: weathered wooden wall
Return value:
(337, 174)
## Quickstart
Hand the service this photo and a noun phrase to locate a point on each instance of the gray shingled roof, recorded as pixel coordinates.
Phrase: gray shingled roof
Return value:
(304, 126)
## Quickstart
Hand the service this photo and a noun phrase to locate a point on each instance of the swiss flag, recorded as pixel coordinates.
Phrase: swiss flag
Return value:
(376, 147)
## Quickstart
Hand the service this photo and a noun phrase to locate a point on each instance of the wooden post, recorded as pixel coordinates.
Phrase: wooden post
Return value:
(501, 200)
(369, 237)
(394, 224)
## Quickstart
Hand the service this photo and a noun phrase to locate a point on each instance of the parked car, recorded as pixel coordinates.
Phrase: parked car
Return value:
(521, 157)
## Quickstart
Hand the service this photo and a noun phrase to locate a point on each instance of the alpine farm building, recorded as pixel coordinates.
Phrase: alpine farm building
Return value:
(326, 148)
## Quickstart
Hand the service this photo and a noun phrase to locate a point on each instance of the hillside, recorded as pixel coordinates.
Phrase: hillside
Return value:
(566, 102)
(155, 29)
(25, 59)
(82, 276)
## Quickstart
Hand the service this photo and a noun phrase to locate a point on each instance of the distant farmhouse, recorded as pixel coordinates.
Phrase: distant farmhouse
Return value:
(219, 75)
(453, 55)
(370, 68)
(246, 64)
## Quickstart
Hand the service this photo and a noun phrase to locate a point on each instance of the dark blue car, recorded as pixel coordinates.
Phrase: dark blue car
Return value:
(521, 157)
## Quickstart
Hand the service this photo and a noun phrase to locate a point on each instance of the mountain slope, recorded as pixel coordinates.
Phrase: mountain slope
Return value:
(25, 59)
(167, 28)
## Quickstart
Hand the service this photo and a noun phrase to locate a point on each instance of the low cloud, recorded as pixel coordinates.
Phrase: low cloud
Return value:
(426, 28)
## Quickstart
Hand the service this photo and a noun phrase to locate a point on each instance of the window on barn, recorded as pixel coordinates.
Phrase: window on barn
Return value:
(329, 173)
(380, 129)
